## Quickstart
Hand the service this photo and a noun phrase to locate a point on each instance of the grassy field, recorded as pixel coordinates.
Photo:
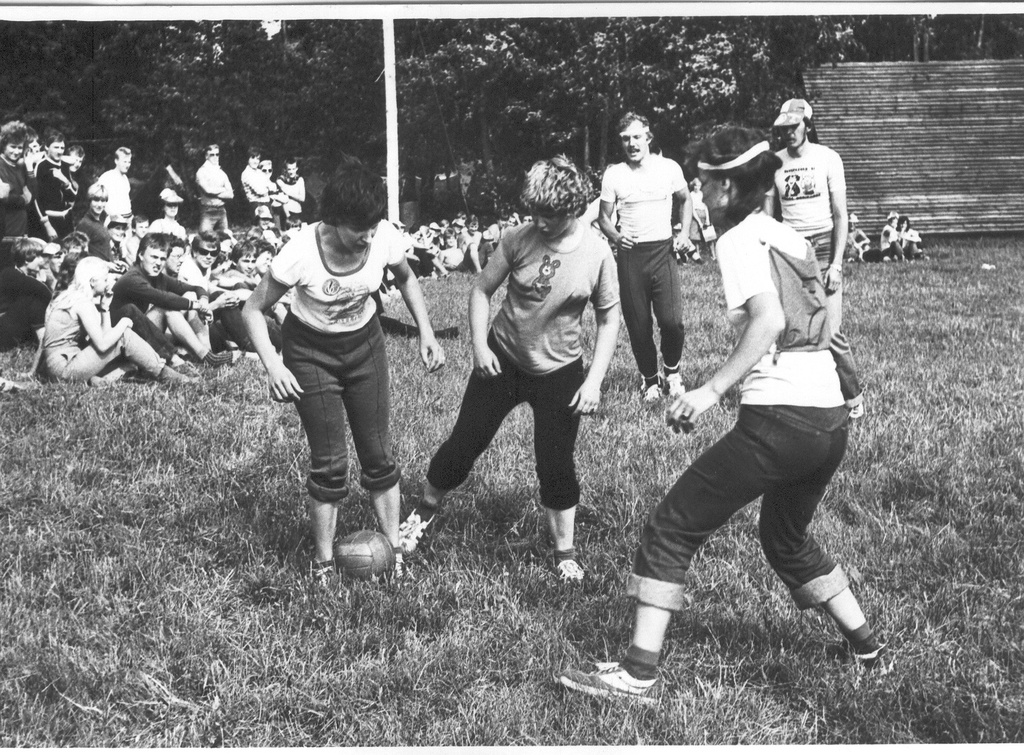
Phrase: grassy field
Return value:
(154, 546)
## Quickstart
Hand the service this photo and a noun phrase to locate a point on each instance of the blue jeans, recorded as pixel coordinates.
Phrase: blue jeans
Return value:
(485, 405)
(785, 454)
(342, 375)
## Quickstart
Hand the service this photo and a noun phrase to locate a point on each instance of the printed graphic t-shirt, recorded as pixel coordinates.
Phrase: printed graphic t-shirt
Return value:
(329, 301)
(805, 186)
(540, 323)
(798, 378)
(643, 197)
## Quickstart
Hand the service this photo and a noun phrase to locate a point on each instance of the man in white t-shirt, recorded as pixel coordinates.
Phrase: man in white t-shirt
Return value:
(641, 191)
(811, 189)
(115, 180)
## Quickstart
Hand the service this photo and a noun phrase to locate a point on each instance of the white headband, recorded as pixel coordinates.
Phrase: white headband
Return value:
(746, 157)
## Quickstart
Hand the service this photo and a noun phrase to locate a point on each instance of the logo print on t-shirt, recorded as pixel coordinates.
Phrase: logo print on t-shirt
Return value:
(331, 287)
(544, 275)
(800, 185)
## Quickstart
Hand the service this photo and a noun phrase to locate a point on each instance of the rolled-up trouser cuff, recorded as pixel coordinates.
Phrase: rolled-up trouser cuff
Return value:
(820, 589)
(654, 592)
(383, 482)
(324, 494)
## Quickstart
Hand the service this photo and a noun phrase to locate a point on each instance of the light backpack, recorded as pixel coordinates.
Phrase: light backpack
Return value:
(802, 293)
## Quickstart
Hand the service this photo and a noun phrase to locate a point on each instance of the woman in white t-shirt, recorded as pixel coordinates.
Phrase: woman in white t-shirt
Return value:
(333, 364)
(789, 438)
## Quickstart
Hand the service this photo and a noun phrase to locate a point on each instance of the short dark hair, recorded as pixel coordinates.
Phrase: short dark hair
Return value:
(52, 136)
(253, 152)
(75, 149)
(354, 196)
(207, 238)
(26, 249)
(161, 241)
(242, 248)
(752, 179)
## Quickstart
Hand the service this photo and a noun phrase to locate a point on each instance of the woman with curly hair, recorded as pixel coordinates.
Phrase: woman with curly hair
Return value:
(533, 352)
(789, 438)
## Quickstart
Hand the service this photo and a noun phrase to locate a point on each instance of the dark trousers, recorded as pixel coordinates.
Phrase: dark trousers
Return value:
(343, 376)
(485, 405)
(785, 454)
(146, 329)
(649, 279)
(20, 322)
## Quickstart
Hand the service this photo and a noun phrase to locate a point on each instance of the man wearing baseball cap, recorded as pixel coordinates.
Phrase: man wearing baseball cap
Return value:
(810, 187)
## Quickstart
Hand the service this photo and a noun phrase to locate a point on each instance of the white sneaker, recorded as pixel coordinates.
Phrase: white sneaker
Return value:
(611, 680)
(652, 393)
(411, 531)
(674, 382)
(569, 571)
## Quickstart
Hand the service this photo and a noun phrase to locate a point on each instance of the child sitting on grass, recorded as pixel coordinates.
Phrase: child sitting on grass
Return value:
(789, 438)
(533, 353)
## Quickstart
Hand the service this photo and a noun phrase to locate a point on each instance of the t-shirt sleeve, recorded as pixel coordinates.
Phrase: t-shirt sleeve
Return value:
(606, 293)
(746, 270)
(678, 180)
(608, 185)
(398, 244)
(286, 267)
(836, 173)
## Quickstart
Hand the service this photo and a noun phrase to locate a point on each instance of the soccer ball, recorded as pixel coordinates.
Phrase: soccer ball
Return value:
(364, 554)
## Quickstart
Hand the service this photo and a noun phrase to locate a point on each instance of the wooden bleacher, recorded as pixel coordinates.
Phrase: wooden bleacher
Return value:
(940, 142)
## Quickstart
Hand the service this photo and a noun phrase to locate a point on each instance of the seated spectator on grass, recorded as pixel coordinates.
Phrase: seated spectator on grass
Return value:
(889, 243)
(79, 342)
(23, 298)
(910, 239)
(117, 227)
(857, 242)
(139, 228)
(171, 202)
(267, 226)
(55, 193)
(449, 256)
(15, 195)
(173, 306)
(53, 254)
(469, 242)
(94, 226)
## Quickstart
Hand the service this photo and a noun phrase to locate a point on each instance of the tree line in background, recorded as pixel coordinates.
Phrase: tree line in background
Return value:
(485, 96)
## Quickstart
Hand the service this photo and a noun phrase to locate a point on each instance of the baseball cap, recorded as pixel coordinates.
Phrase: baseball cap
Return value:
(122, 220)
(170, 196)
(854, 218)
(792, 112)
(434, 227)
(263, 212)
(892, 215)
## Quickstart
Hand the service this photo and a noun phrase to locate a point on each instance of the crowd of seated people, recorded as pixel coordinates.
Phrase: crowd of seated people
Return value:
(108, 294)
(898, 242)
